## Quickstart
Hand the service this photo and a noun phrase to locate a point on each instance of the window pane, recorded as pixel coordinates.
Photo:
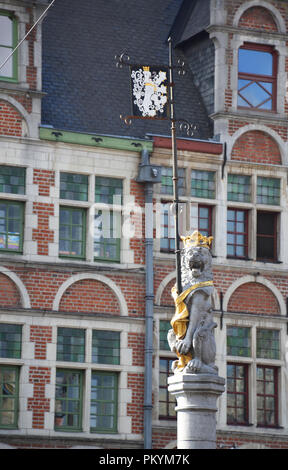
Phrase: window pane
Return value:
(203, 184)
(167, 181)
(103, 411)
(268, 344)
(108, 190)
(238, 341)
(6, 31)
(255, 62)
(107, 233)
(167, 402)
(267, 398)
(73, 186)
(71, 345)
(105, 347)
(11, 226)
(68, 402)
(268, 191)
(12, 179)
(167, 241)
(253, 94)
(237, 394)
(165, 326)
(266, 236)
(237, 233)
(8, 396)
(72, 232)
(10, 340)
(239, 188)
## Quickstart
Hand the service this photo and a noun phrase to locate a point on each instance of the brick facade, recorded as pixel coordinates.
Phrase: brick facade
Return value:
(89, 296)
(258, 18)
(46, 292)
(257, 147)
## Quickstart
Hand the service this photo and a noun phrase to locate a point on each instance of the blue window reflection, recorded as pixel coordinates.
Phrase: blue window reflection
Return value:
(255, 62)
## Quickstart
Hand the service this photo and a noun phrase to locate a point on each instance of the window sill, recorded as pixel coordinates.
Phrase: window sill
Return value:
(240, 424)
(269, 427)
(268, 261)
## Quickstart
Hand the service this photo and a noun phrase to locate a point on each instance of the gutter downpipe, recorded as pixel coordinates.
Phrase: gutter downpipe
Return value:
(149, 313)
(148, 178)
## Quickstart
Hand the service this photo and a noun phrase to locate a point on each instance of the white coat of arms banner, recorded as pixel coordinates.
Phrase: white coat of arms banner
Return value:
(149, 87)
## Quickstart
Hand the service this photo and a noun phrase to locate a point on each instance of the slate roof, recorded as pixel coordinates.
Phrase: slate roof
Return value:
(85, 90)
(196, 21)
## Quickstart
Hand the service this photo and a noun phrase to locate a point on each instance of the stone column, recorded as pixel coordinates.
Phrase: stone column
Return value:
(196, 396)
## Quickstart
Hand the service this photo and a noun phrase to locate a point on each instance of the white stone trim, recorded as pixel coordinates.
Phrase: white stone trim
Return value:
(163, 284)
(21, 287)
(259, 280)
(97, 277)
(256, 3)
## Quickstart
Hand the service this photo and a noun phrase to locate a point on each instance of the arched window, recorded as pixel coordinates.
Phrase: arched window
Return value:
(8, 40)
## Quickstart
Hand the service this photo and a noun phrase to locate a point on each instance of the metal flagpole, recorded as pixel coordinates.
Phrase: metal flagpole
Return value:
(175, 172)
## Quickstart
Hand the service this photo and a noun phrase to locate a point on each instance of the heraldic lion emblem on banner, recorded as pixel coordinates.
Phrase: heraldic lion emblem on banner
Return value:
(149, 92)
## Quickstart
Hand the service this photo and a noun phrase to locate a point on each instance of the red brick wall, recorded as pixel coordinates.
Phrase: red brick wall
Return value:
(258, 18)
(38, 404)
(223, 279)
(230, 440)
(45, 179)
(31, 70)
(133, 289)
(136, 341)
(161, 438)
(257, 147)
(253, 297)
(135, 408)
(43, 235)
(9, 295)
(10, 120)
(89, 295)
(40, 335)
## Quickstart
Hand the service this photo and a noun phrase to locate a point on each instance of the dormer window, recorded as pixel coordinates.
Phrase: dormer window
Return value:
(8, 39)
(257, 75)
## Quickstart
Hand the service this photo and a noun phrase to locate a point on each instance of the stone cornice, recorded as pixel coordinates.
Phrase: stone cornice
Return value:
(246, 32)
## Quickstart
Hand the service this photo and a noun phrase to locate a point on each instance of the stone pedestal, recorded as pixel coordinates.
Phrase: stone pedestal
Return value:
(196, 396)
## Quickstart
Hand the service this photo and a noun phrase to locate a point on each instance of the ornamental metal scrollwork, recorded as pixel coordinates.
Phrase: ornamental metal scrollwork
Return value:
(186, 127)
(122, 59)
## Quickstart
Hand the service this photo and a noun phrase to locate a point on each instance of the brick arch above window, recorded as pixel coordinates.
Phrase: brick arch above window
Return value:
(271, 9)
(91, 293)
(91, 296)
(253, 298)
(14, 119)
(10, 120)
(13, 292)
(258, 18)
(256, 295)
(258, 147)
(166, 297)
(10, 296)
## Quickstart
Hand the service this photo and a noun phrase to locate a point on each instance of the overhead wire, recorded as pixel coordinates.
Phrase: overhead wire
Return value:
(26, 35)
